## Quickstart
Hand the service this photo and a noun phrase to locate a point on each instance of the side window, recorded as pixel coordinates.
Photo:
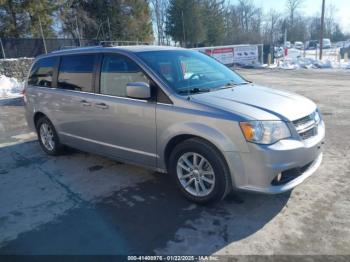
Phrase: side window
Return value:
(116, 72)
(76, 72)
(42, 72)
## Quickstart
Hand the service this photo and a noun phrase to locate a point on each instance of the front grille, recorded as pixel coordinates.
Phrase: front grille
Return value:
(306, 126)
(302, 121)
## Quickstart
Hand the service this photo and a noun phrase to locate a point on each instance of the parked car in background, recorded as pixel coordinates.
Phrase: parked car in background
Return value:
(326, 43)
(340, 44)
(176, 111)
(312, 44)
(343, 44)
(299, 45)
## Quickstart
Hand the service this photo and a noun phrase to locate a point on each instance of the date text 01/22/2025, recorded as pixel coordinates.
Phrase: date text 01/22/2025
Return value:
(173, 258)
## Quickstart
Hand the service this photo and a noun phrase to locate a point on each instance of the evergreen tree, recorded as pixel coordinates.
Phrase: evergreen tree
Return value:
(214, 13)
(136, 21)
(21, 18)
(108, 20)
(185, 22)
(12, 22)
(43, 9)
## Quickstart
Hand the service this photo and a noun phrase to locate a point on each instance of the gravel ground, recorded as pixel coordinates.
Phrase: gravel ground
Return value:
(85, 204)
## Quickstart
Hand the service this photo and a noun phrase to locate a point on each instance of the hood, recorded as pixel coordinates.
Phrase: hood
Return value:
(258, 103)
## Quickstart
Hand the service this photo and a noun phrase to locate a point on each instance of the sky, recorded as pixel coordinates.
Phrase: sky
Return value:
(311, 7)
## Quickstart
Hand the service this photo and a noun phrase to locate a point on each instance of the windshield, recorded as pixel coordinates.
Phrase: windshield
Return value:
(188, 71)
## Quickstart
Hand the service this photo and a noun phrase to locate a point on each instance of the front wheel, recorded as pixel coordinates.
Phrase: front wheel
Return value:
(199, 171)
(48, 137)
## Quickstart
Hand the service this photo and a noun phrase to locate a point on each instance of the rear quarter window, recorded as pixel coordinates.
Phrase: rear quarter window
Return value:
(42, 72)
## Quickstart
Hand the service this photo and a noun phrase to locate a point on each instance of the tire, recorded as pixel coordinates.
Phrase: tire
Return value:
(48, 137)
(212, 172)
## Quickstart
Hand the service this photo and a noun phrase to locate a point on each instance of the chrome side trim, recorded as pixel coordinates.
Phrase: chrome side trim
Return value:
(62, 90)
(110, 145)
(90, 93)
(164, 104)
(122, 97)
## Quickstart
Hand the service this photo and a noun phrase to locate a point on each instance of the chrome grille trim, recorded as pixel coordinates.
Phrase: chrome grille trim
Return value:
(306, 126)
(309, 133)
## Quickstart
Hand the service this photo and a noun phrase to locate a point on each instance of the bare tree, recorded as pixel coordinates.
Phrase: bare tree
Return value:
(272, 26)
(243, 22)
(248, 14)
(330, 23)
(292, 7)
(159, 8)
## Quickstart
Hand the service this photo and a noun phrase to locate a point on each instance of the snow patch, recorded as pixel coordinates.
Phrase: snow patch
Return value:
(16, 59)
(10, 87)
(309, 63)
(297, 59)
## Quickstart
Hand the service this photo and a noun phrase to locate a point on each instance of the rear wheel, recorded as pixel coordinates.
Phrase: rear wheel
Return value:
(48, 137)
(199, 171)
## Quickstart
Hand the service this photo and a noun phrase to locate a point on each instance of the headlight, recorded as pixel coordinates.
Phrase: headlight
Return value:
(317, 117)
(264, 132)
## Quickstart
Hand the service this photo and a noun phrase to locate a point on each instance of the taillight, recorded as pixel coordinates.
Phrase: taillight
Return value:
(24, 93)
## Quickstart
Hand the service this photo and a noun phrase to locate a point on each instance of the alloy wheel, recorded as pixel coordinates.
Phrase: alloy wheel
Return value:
(195, 174)
(47, 136)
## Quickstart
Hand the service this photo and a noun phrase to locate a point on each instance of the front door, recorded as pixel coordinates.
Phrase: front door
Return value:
(125, 127)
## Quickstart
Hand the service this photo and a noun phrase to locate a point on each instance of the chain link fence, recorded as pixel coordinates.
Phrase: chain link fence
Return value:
(32, 47)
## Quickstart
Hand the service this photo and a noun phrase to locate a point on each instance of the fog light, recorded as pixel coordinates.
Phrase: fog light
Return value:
(278, 178)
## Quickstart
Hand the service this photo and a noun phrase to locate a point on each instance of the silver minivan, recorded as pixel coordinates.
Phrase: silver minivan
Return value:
(176, 111)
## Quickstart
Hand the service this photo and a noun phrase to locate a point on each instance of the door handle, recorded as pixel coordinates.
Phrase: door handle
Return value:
(101, 105)
(85, 103)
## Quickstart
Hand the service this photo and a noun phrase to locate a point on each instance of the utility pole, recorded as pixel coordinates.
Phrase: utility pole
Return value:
(285, 36)
(42, 34)
(285, 39)
(77, 28)
(109, 29)
(322, 25)
(183, 28)
(2, 49)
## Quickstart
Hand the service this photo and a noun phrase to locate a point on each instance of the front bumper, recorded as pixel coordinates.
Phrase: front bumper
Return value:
(258, 169)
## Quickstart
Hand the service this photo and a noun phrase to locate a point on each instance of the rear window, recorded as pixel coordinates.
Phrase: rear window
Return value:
(76, 72)
(42, 72)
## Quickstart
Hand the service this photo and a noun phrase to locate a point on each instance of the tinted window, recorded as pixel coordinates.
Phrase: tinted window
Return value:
(116, 72)
(42, 72)
(76, 72)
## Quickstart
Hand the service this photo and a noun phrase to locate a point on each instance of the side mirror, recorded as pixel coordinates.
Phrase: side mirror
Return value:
(139, 90)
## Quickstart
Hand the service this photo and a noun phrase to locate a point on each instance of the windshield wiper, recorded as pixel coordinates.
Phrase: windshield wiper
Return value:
(195, 90)
(230, 84)
(244, 83)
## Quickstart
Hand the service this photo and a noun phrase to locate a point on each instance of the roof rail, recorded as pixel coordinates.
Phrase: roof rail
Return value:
(121, 43)
(68, 47)
(73, 48)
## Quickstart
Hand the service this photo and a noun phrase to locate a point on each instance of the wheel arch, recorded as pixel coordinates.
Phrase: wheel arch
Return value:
(173, 142)
(37, 116)
(209, 147)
